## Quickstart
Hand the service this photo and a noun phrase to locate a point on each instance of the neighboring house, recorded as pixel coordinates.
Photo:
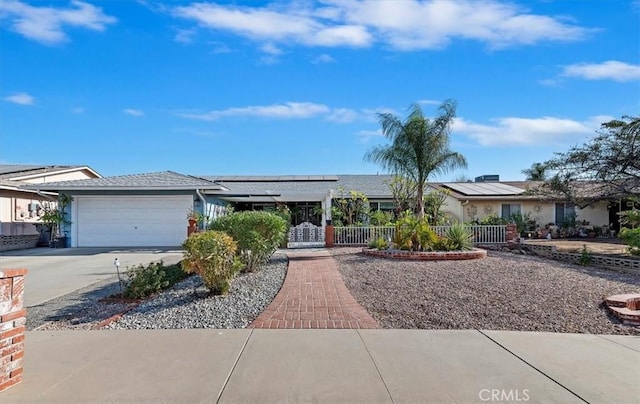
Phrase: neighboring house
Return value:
(150, 209)
(21, 208)
(142, 210)
(475, 201)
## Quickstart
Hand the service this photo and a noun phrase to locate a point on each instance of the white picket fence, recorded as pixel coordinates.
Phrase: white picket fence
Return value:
(344, 236)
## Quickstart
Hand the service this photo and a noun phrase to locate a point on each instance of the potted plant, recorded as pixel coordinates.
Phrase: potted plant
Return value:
(54, 216)
(194, 217)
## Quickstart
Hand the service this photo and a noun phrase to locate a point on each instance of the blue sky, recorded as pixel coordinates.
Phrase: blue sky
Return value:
(294, 87)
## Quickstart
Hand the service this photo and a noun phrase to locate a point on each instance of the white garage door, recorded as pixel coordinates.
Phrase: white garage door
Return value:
(132, 221)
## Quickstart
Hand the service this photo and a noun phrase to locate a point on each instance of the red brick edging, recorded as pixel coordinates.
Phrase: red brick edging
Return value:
(476, 253)
(314, 295)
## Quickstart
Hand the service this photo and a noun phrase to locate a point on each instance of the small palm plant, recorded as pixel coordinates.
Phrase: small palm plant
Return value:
(459, 237)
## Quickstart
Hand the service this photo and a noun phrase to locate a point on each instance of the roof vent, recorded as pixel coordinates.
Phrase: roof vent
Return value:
(488, 178)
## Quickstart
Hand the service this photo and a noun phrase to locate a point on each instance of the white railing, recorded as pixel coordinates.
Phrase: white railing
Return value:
(363, 235)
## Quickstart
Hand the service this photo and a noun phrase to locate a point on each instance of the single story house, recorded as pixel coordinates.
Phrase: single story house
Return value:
(21, 207)
(151, 209)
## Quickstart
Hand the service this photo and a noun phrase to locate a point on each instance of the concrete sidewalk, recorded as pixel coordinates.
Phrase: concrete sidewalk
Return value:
(326, 366)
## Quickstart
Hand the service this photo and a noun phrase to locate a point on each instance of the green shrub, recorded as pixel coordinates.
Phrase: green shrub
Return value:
(380, 243)
(413, 234)
(442, 244)
(211, 254)
(459, 237)
(143, 281)
(631, 237)
(380, 218)
(585, 256)
(257, 234)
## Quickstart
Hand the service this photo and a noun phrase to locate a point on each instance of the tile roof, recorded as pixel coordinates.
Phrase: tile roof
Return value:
(166, 180)
(375, 185)
(8, 171)
(16, 169)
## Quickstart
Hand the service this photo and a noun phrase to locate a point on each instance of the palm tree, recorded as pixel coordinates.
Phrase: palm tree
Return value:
(537, 172)
(419, 147)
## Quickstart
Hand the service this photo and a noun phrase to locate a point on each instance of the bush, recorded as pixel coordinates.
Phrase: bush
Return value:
(211, 254)
(459, 238)
(380, 243)
(144, 281)
(413, 234)
(257, 234)
(380, 218)
(631, 237)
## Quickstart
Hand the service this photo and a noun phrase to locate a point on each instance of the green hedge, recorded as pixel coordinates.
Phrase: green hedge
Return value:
(257, 233)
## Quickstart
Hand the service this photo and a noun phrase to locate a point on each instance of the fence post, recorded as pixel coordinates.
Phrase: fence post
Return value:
(329, 232)
(512, 233)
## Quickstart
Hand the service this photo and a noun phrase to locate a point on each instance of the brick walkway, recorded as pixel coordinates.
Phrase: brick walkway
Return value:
(314, 296)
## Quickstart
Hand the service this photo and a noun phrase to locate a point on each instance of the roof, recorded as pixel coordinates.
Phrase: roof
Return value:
(483, 188)
(269, 178)
(319, 185)
(16, 168)
(19, 172)
(165, 180)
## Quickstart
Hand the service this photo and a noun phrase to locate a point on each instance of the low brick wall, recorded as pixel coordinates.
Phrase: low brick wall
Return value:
(12, 326)
(476, 253)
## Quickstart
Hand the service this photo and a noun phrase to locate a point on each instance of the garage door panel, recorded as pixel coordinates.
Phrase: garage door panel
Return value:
(132, 221)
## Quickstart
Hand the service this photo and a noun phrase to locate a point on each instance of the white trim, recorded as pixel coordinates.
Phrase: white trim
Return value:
(55, 172)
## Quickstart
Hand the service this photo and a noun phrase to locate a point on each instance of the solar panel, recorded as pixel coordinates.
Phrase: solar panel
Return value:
(484, 188)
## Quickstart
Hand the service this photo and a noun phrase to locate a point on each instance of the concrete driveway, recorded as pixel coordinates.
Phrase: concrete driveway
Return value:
(56, 272)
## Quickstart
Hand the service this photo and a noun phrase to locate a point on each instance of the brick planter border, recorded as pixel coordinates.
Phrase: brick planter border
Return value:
(476, 253)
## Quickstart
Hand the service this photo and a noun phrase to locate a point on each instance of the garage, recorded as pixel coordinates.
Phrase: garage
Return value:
(131, 221)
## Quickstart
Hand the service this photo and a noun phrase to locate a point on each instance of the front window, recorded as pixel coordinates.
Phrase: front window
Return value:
(565, 214)
(509, 209)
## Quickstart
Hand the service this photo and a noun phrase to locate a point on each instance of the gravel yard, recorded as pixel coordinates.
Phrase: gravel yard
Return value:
(185, 305)
(504, 291)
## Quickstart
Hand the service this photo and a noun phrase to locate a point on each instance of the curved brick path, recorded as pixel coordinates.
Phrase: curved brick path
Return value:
(314, 295)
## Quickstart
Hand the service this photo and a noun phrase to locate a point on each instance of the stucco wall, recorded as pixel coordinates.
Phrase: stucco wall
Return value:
(15, 216)
(596, 215)
(542, 212)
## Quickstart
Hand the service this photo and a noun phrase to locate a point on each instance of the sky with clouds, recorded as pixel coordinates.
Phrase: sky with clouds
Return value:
(295, 87)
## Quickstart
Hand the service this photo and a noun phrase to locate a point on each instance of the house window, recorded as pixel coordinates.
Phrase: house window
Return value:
(509, 209)
(384, 206)
(565, 212)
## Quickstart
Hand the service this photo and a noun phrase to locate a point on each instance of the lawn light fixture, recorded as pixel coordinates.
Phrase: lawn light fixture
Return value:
(116, 263)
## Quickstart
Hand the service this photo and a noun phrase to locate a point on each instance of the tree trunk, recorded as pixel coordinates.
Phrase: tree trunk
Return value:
(420, 200)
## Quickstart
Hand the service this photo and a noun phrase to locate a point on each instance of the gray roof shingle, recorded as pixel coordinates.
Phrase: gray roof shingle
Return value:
(374, 185)
(166, 180)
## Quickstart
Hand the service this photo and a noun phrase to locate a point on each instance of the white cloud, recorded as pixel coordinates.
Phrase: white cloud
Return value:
(402, 25)
(367, 135)
(324, 58)
(21, 99)
(46, 24)
(514, 131)
(133, 112)
(273, 24)
(288, 110)
(184, 35)
(343, 115)
(609, 70)
(429, 102)
(271, 49)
